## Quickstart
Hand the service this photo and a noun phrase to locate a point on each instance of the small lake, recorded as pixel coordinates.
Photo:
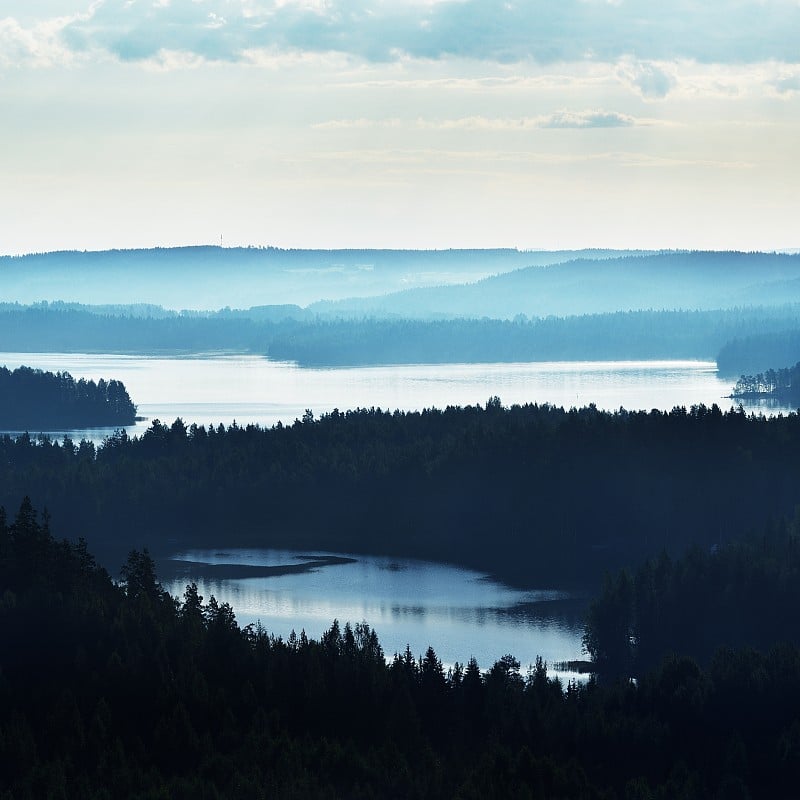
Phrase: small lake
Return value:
(251, 389)
(459, 612)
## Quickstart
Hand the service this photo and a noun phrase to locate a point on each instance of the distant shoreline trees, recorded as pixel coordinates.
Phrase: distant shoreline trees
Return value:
(289, 333)
(777, 383)
(33, 398)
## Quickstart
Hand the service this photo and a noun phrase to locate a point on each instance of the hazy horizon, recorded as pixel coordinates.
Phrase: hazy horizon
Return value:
(407, 249)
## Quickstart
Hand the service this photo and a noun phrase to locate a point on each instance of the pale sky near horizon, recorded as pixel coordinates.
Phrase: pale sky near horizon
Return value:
(399, 123)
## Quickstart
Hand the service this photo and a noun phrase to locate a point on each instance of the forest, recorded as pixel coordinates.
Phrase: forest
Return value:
(622, 335)
(116, 689)
(33, 398)
(781, 384)
(289, 333)
(735, 595)
(537, 495)
(759, 351)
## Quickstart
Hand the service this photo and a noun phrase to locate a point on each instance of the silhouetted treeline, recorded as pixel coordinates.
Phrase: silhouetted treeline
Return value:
(32, 398)
(538, 495)
(287, 333)
(123, 691)
(732, 595)
(760, 351)
(619, 336)
(782, 384)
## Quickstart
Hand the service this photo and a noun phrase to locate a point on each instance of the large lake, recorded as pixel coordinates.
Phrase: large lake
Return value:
(459, 612)
(250, 389)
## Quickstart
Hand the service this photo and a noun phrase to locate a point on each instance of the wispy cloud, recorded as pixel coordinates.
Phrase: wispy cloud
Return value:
(787, 84)
(450, 161)
(558, 119)
(649, 79)
(540, 31)
(38, 44)
(591, 119)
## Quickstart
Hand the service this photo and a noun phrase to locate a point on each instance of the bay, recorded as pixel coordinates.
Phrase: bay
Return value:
(223, 388)
(459, 612)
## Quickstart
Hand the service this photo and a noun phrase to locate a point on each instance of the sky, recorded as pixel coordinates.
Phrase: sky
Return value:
(399, 123)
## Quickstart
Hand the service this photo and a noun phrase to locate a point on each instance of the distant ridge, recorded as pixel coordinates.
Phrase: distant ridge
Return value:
(688, 280)
(209, 276)
(433, 284)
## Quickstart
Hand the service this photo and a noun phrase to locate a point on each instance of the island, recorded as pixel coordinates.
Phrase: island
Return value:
(35, 399)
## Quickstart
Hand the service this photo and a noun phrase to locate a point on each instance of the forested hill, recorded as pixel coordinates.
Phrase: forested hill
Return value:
(538, 495)
(34, 399)
(285, 333)
(629, 335)
(123, 691)
(760, 351)
(674, 280)
(210, 277)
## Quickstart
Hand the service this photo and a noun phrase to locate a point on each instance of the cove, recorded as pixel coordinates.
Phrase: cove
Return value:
(461, 613)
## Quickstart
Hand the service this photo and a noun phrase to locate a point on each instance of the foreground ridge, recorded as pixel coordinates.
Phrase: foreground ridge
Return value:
(120, 689)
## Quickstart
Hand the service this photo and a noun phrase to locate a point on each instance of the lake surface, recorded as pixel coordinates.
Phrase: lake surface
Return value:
(250, 389)
(459, 612)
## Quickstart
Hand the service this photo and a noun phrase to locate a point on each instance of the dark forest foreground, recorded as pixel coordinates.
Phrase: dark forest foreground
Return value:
(113, 691)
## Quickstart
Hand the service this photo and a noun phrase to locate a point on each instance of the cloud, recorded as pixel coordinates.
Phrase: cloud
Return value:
(787, 84)
(357, 124)
(650, 80)
(558, 119)
(540, 31)
(39, 44)
(589, 119)
(440, 160)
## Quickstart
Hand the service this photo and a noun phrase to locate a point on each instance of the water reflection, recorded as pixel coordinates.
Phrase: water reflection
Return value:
(251, 389)
(459, 612)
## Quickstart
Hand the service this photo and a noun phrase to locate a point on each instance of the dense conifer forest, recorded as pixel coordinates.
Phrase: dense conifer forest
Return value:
(741, 594)
(288, 333)
(758, 352)
(537, 495)
(119, 690)
(32, 398)
(629, 335)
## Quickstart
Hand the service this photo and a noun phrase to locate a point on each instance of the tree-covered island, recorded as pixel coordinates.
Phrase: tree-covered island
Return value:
(39, 400)
(778, 384)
